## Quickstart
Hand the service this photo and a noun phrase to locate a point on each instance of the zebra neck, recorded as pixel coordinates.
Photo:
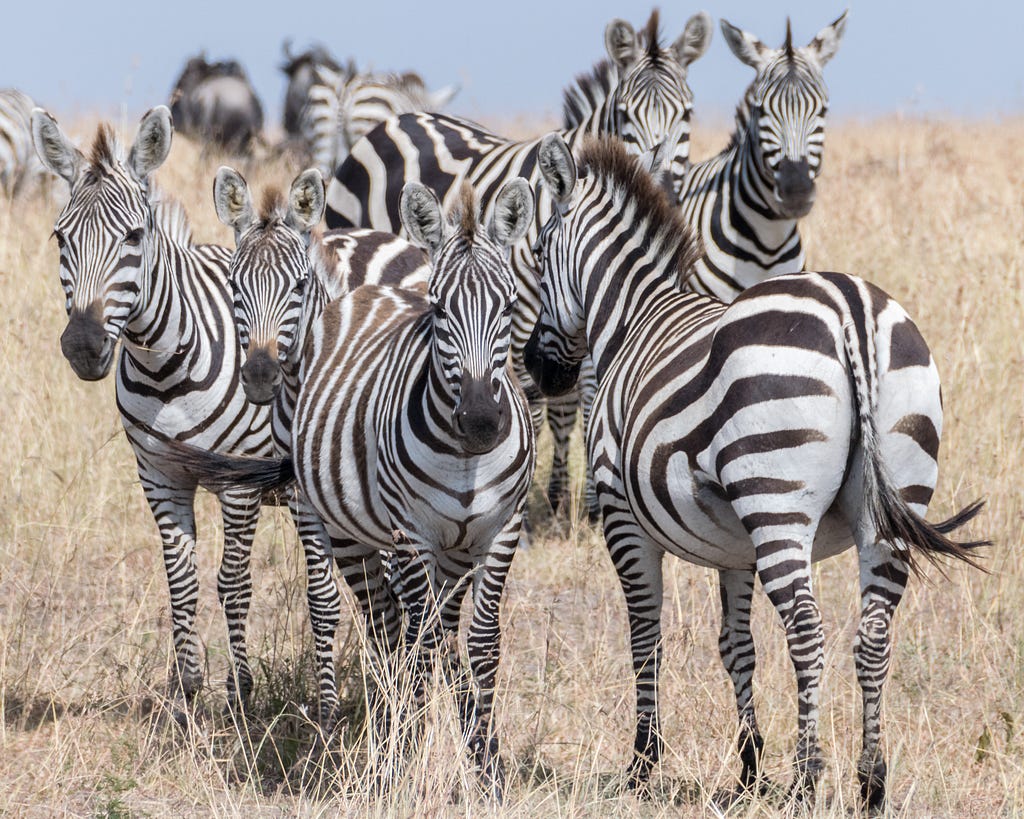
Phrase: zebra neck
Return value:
(166, 328)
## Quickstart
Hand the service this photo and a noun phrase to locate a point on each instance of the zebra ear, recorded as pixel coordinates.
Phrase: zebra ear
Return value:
(745, 46)
(421, 215)
(621, 42)
(152, 143)
(695, 39)
(232, 199)
(55, 150)
(306, 201)
(513, 212)
(440, 98)
(825, 45)
(557, 167)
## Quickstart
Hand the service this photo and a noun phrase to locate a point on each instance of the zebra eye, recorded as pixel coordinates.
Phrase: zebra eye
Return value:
(133, 238)
(59, 237)
(440, 313)
(509, 308)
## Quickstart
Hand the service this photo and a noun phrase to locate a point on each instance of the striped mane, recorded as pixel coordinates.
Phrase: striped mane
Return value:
(627, 181)
(171, 219)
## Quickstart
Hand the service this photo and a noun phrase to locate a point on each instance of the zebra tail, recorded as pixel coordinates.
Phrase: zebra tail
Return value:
(217, 471)
(894, 520)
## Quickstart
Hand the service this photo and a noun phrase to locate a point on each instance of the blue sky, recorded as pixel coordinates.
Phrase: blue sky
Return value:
(900, 56)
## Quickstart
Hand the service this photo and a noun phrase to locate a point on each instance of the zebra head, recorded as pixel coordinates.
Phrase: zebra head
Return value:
(652, 98)
(106, 233)
(269, 271)
(784, 111)
(472, 293)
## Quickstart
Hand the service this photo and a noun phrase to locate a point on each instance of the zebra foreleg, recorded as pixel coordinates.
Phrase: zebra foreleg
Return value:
(883, 578)
(240, 510)
(638, 564)
(323, 599)
(176, 521)
(736, 647)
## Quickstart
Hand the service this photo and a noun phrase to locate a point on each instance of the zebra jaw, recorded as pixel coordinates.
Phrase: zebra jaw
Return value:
(552, 375)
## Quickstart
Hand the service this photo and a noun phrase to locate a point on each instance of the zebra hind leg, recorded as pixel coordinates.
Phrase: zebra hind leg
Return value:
(736, 647)
(561, 415)
(240, 511)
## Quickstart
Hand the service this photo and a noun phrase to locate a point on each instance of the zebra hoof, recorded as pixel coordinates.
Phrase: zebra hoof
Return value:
(872, 787)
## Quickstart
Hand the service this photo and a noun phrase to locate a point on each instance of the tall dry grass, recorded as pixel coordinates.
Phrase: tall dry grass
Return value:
(930, 210)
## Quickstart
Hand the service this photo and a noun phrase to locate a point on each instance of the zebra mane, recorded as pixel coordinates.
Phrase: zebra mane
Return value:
(622, 173)
(273, 205)
(324, 270)
(464, 214)
(171, 218)
(651, 34)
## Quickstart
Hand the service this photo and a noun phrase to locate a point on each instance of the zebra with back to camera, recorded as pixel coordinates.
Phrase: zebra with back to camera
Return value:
(649, 99)
(19, 165)
(744, 204)
(412, 436)
(300, 69)
(753, 438)
(343, 106)
(131, 273)
(282, 276)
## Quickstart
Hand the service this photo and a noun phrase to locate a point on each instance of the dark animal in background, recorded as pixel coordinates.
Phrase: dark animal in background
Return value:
(301, 72)
(216, 103)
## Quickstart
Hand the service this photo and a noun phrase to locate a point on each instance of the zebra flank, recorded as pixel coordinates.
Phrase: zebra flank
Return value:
(648, 102)
(132, 274)
(745, 203)
(754, 438)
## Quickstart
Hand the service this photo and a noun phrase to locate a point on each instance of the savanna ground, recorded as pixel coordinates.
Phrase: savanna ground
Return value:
(930, 210)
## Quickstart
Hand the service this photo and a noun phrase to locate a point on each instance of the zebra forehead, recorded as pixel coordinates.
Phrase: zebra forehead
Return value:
(793, 73)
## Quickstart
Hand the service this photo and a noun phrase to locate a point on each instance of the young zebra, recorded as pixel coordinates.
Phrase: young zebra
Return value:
(343, 106)
(750, 439)
(412, 436)
(19, 165)
(282, 277)
(649, 101)
(131, 273)
(744, 204)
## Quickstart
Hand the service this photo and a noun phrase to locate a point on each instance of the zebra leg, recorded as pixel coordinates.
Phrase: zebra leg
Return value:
(639, 566)
(175, 518)
(784, 566)
(587, 392)
(883, 578)
(417, 585)
(240, 510)
(323, 599)
(561, 419)
(484, 647)
(736, 647)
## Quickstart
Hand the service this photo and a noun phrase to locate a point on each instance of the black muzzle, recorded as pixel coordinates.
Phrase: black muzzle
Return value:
(86, 345)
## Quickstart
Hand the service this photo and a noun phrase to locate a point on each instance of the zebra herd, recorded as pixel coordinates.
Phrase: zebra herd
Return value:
(390, 389)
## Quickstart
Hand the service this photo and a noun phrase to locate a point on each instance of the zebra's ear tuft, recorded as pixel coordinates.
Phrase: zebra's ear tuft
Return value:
(825, 45)
(513, 212)
(421, 215)
(55, 150)
(557, 167)
(747, 48)
(695, 39)
(306, 201)
(152, 143)
(232, 199)
(620, 40)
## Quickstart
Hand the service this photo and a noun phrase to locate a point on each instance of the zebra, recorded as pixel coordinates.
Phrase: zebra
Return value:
(19, 165)
(341, 107)
(131, 273)
(281, 277)
(300, 70)
(750, 438)
(745, 203)
(649, 100)
(411, 435)
(216, 103)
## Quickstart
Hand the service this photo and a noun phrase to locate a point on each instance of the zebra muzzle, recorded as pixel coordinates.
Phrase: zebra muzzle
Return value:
(550, 373)
(480, 421)
(794, 188)
(261, 376)
(86, 345)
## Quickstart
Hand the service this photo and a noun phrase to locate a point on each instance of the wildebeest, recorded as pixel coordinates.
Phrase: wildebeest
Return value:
(215, 102)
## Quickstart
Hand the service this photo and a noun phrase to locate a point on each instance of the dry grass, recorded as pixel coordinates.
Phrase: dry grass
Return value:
(931, 211)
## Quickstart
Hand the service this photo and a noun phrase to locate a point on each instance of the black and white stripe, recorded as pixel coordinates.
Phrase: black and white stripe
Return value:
(753, 439)
(412, 436)
(744, 204)
(648, 102)
(19, 165)
(131, 273)
(282, 276)
(343, 106)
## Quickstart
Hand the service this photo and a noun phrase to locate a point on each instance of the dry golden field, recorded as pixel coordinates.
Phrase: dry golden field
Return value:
(933, 211)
